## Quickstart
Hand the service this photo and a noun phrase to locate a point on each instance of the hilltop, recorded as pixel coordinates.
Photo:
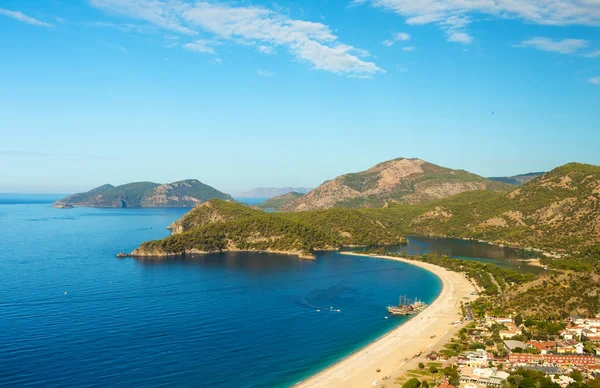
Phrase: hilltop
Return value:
(186, 193)
(218, 226)
(559, 210)
(276, 203)
(517, 179)
(401, 180)
(270, 192)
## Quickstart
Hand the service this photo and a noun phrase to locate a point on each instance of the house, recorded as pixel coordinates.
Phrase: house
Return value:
(511, 345)
(511, 331)
(483, 376)
(569, 347)
(476, 358)
(446, 384)
(563, 381)
(553, 359)
(543, 347)
(525, 358)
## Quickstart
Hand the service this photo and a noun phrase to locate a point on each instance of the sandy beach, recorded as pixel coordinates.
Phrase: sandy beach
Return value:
(393, 353)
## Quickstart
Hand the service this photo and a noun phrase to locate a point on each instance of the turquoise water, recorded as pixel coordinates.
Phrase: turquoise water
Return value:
(74, 315)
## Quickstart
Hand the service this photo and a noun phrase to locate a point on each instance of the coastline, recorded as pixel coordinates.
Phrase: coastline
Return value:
(393, 353)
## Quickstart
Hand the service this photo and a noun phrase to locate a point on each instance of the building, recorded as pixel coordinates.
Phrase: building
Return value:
(563, 381)
(553, 359)
(569, 347)
(511, 345)
(476, 358)
(544, 347)
(483, 376)
(511, 331)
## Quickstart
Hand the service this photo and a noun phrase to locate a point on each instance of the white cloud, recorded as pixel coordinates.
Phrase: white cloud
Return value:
(125, 27)
(401, 36)
(17, 15)
(266, 49)
(454, 16)
(593, 54)
(408, 48)
(565, 46)
(460, 37)
(308, 41)
(264, 73)
(200, 46)
(595, 80)
(388, 43)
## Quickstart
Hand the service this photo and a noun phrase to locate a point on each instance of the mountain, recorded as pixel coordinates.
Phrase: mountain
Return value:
(218, 226)
(559, 210)
(399, 180)
(517, 179)
(269, 192)
(187, 193)
(280, 201)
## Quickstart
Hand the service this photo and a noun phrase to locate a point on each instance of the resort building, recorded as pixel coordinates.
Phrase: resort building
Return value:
(544, 347)
(511, 345)
(476, 358)
(483, 376)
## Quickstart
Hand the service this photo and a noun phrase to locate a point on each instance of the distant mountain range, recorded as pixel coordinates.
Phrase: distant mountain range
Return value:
(186, 193)
(400, 180)
(269, 192)
(517, 179)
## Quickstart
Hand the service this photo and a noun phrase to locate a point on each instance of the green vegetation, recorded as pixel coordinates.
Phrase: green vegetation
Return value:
(186, 193)
(276, 203)
(517, 179)
(221, 225)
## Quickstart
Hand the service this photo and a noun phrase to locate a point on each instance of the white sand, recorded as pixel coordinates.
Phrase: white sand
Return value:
(393, 353)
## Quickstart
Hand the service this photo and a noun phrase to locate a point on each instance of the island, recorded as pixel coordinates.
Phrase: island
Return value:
(186, 193)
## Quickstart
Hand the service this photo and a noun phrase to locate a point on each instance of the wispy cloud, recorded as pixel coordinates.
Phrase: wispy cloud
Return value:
(124, 27)
(200, 46)
(595, 80)
(454, 16)
(264, 73)
(397, 37)
(254, 26)
(565, 46)
(408, 48)
(266, 49)
(18, 15)
(593, 54)
(460, 37)
(401, 36)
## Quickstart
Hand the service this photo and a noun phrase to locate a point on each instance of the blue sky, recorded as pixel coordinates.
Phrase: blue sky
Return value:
(289, 93)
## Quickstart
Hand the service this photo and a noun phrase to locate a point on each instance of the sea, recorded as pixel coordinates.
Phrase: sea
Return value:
(73, 315)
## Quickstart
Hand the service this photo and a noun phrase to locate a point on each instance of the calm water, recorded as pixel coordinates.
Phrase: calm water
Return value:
(71, 314)
(504, 257)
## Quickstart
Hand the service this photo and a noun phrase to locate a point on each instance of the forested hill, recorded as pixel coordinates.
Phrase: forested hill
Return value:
(400, 180)
(227, 226)
(517, 179)
(187, 193)
(559, 210)
(279, 202)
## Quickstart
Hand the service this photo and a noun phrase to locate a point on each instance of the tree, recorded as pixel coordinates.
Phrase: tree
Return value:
(517, 379)
(518, 320)
(421, 365)
(412, 383)
(424, 384)
(576, 375)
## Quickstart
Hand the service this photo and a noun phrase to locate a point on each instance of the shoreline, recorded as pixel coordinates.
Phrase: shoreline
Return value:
(393, 352)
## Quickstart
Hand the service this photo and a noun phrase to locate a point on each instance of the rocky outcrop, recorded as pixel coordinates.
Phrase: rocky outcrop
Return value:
(400, 180)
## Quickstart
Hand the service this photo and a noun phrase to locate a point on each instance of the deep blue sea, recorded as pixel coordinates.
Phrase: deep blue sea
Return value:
(71, 314)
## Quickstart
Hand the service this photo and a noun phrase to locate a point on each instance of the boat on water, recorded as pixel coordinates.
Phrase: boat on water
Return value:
(407, 306)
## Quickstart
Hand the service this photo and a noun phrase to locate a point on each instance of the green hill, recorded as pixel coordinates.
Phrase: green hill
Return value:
(227, 226)
(276, 203)
(187, 193)
(559, 210)
(517, 180)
